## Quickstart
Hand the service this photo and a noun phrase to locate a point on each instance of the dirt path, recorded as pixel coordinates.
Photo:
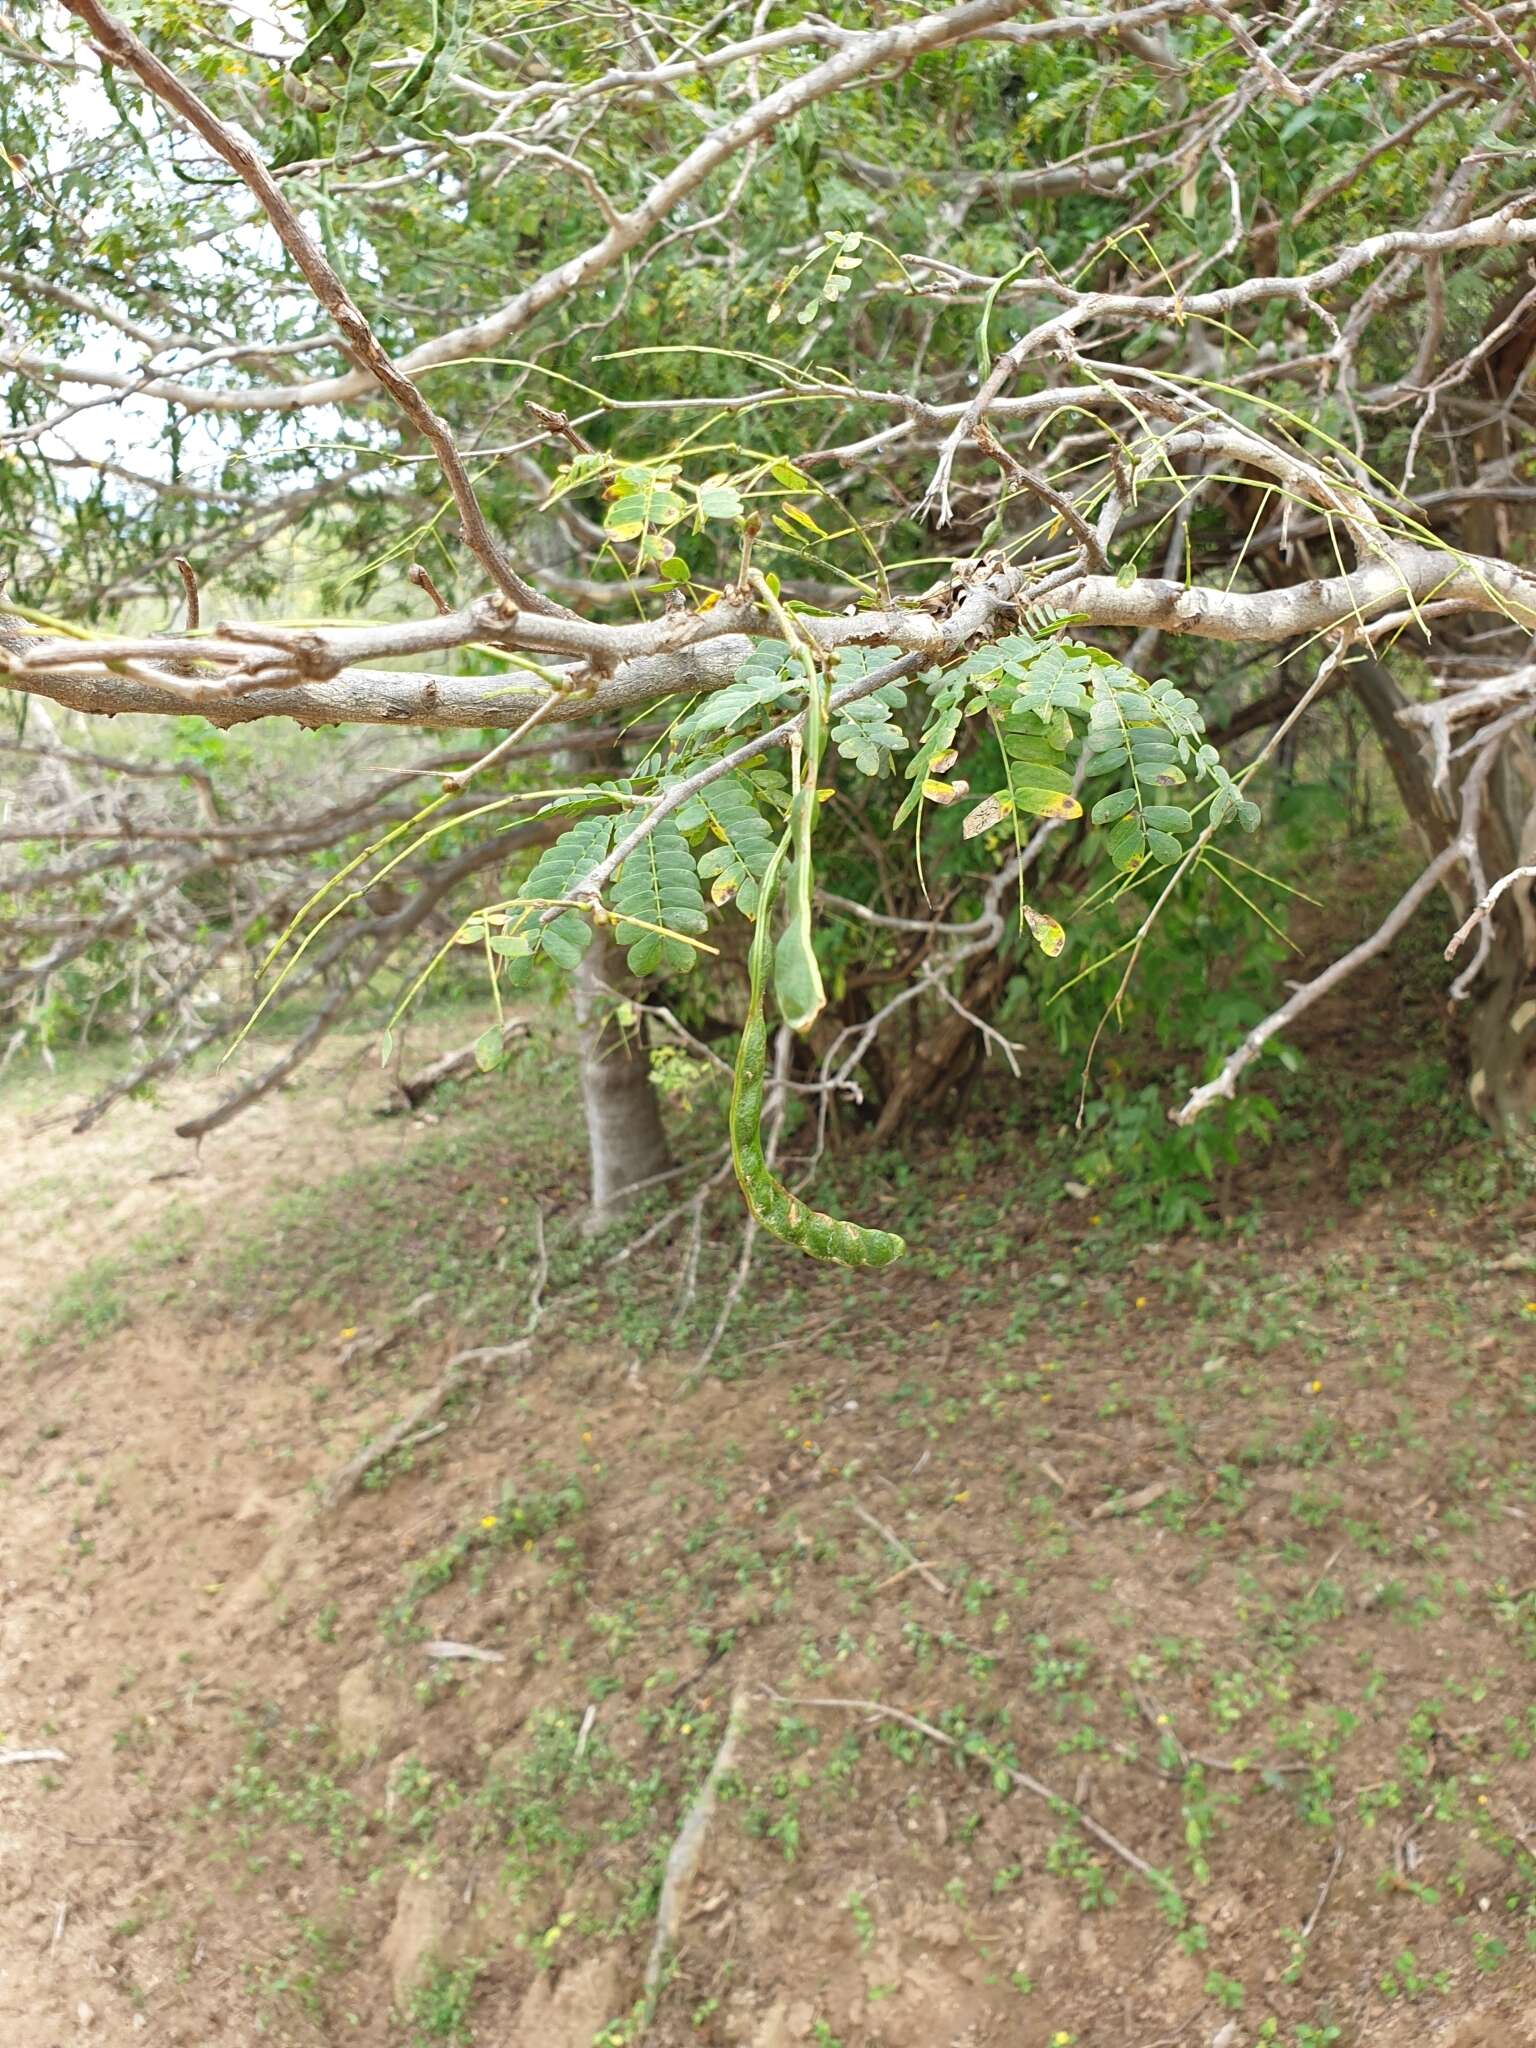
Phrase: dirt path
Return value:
(146, 1474)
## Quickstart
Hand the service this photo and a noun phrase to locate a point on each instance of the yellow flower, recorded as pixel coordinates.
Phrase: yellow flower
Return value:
(586, 1436)
(1045, 1397)
(687, 1727)
(962, 1496)
(1162, 1720)
(1315, 1387)
(1095, 1219)
(489, 1521)
(1530, 1308)
(349, 1331)
(1141, 1301)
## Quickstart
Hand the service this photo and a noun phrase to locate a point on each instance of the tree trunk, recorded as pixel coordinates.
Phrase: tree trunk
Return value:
(626, 1142)
(1501, 1019)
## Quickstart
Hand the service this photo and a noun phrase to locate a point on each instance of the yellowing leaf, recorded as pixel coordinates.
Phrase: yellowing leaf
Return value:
(944, 792)
(1045, 803)
(804, 519)
(1049, 936)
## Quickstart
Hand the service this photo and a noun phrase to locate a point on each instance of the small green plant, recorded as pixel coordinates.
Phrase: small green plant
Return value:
(863, 1920)
(1227, 1991)
(1406, 1978)
(440, 2005)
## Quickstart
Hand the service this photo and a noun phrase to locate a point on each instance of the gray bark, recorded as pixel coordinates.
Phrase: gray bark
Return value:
(626, 1141)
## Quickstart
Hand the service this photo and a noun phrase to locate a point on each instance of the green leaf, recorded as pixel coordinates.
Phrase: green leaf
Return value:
(555, 874)
(1113, 806)
(740, 845)
(566, 938)
(659, 883)
(936, 742)
(645, 501)
(768, 673)
(1127, 843)
(489, 1050)
(719, 501)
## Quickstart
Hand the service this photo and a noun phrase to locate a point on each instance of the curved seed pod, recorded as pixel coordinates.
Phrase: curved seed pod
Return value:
(771, 1203)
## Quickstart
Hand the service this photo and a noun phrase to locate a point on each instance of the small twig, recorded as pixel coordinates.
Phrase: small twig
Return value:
(33, 1756)
(1322, 1897)
(913, 1561)
(419, 576)
(559, 425)
(58, 1925)
(583, 1733)
(684, 1859)
(449, 1652)
(1521, 874)
(462, 777)
(1022, 1779)
(188, 575)
(423, 1435)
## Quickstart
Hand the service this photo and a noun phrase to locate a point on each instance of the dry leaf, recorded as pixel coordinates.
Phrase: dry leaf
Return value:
(1132, 1503)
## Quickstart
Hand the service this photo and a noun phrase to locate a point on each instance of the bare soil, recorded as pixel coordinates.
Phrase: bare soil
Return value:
(1230, 1545)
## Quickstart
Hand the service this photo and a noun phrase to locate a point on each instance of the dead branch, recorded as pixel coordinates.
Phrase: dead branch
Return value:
(879, 1711)
(449, 1066)
(688, 1847)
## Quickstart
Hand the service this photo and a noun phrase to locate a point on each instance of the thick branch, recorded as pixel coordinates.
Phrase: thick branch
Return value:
(355, 696)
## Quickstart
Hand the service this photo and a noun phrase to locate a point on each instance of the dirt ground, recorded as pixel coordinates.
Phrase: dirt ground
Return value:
(1133, 1644)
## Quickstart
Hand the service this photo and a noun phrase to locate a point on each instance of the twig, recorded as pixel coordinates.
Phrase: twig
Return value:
(188, 577)
(1085, 1820)
(423, 581)
(1521, 874)
(447, 1652)
(684, 1858)
(33, 1756)
(1322, 1897)
(914, 1563)
(462, 777)
(1310, 992)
